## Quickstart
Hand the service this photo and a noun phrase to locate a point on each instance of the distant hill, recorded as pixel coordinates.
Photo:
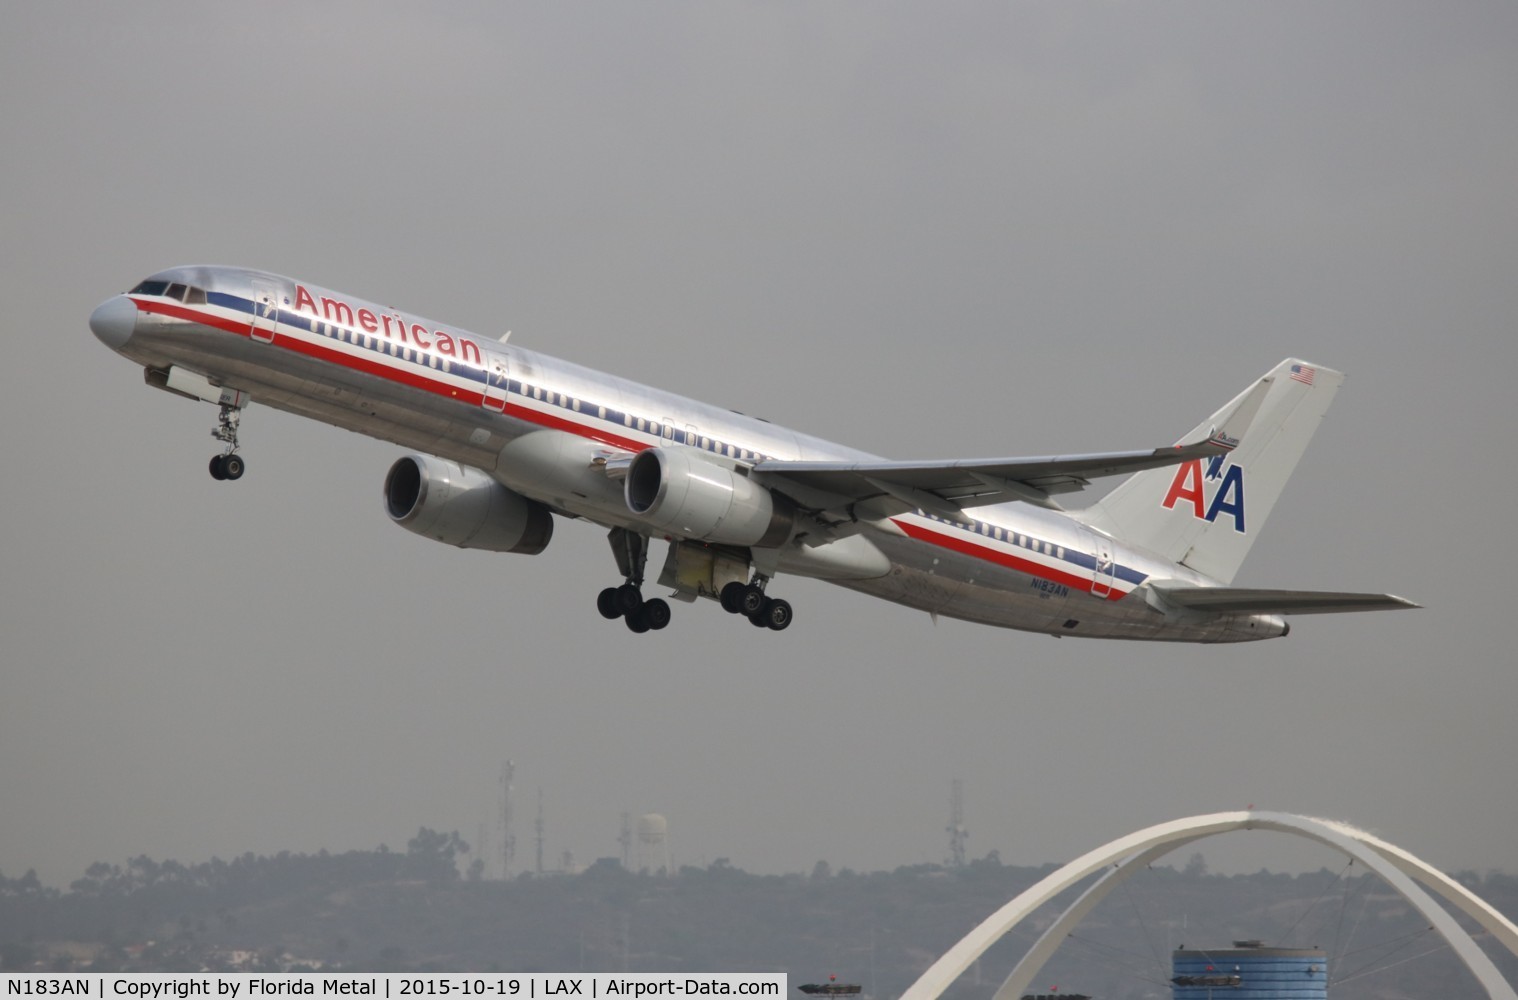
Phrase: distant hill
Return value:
(392, 911)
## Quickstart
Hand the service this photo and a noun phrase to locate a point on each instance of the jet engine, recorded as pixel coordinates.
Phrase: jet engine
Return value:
(463, 506)
(677, 490)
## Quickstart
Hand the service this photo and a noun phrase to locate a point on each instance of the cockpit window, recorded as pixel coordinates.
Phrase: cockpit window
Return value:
(173, 290)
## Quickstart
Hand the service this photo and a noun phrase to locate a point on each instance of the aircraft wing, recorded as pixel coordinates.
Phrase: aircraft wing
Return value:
(1249, 601)
(949, 487)
(970, 483)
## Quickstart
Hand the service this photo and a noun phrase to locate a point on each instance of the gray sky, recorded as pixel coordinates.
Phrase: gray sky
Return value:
(1049, 227)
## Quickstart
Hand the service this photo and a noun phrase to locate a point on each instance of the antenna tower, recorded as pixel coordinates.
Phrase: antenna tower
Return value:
(956, 828)
(538, 829)
(508, 841)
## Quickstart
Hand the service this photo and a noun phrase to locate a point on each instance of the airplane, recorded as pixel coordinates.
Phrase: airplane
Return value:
(504, 440)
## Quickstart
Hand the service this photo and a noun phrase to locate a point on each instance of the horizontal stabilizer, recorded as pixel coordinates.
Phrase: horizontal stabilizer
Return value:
(1251, 601)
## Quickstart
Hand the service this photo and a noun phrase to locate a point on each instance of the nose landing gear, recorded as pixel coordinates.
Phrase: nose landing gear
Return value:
(229, 464)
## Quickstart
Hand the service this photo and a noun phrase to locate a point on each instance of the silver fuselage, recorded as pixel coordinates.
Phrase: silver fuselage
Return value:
(547, 428)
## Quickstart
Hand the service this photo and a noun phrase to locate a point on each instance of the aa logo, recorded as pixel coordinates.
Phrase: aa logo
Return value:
(1190, 487)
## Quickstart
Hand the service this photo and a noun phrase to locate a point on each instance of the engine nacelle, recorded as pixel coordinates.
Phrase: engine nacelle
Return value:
(676, 490)
(463, 506)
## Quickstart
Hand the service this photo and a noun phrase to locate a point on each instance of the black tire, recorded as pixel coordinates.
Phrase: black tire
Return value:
(777, 615)
(753, 601)
(233, 466)
(628, 600)
(732, 597)
(217, 473)
(656, 613)
(638, 622)
(606, 603)
(757, 620)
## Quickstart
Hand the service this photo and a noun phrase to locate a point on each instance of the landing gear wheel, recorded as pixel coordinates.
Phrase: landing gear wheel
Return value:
(638, 622)
(656, 613)
(629, 600)
(777, 614)
(218, 471)
(757, 620)
(232, 466)
(606, 603)
(732, 597)
(753, 601)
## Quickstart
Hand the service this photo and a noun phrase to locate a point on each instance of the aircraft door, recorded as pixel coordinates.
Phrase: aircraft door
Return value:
(265, 310)
(496, 382)
(1103, 569)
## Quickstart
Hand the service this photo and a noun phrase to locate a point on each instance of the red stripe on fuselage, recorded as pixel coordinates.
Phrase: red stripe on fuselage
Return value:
(404, 376)
(470, 397)
(975, 550)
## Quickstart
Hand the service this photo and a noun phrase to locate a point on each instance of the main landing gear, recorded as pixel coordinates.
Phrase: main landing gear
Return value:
(748, 600)
(626, 602)
(229, 464)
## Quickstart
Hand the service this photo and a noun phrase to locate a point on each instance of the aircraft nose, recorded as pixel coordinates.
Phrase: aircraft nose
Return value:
(114, 320)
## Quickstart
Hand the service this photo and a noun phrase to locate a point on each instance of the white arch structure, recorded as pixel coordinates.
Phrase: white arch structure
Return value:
(1126, 855)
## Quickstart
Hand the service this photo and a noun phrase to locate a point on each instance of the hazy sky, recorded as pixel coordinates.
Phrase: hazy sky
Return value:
(926, 230)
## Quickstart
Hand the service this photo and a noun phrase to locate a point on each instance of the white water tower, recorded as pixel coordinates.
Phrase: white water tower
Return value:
(653, 844)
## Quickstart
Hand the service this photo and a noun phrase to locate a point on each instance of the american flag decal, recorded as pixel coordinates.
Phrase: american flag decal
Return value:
(1303, 373)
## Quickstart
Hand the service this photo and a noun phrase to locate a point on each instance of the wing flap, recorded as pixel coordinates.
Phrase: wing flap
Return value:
(1253, 601)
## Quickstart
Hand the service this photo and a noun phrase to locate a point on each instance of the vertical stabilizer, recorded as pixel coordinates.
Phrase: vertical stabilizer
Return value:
(1206, 513)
